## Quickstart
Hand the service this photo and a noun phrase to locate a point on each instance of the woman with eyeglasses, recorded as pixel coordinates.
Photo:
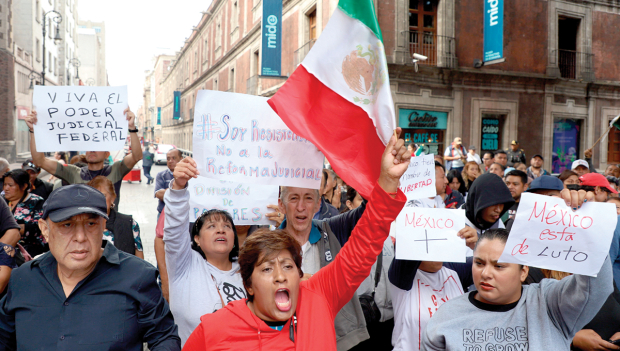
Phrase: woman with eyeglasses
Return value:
(203, 273)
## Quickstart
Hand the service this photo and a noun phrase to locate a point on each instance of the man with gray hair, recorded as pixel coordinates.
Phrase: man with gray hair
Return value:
(4, 167)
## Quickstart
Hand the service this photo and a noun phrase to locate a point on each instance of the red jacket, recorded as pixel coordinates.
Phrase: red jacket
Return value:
(235, 327)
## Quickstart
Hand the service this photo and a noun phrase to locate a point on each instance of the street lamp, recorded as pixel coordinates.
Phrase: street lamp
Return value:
(32, 76)
(56, 17)
(76, 63)
(90, 82)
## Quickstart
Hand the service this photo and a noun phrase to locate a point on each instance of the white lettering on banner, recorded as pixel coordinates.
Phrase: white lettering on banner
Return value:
(493, 12)
(272, 31)
(246, 203)
(429, 234)
(80, 118)
(548, 234)
(419, 179)
(239, 138)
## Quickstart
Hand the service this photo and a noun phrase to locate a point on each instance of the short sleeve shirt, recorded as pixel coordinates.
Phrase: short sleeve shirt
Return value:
(7, 221)
(77, 175)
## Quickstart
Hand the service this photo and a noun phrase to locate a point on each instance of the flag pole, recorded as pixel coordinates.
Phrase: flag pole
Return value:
(601, 137)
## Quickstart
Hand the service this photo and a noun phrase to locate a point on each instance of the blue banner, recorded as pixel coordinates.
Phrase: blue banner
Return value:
(493, 30)
(272, 38)
(159, 116)
(176, 113)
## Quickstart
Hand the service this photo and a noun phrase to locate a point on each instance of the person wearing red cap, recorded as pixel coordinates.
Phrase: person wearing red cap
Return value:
(598, 184)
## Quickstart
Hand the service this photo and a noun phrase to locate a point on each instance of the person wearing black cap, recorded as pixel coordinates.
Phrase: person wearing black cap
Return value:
(37, 186)
(515, 154)
(93, 298)
(535, 169)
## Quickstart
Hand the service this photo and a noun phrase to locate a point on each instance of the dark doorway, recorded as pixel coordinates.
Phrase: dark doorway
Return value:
(568, 29)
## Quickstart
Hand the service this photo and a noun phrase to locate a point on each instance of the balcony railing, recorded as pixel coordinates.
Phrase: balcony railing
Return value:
(575, 65)
(252, 85)
(439, 49)
(301, 53)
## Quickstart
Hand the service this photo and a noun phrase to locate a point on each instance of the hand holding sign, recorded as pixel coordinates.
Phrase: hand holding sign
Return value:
(185, 170)
(548, 234)
(394, 163)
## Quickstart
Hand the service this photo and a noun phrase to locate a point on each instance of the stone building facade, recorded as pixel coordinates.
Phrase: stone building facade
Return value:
(555, 93)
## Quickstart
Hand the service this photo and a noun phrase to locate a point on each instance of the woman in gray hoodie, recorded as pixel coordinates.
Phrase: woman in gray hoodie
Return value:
(505, 315)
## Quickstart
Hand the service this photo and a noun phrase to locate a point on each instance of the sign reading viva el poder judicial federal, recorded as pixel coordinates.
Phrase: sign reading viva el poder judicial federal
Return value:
(80, 118)
(239, 138)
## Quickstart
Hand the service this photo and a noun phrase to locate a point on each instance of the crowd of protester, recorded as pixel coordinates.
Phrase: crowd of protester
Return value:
(323, 276)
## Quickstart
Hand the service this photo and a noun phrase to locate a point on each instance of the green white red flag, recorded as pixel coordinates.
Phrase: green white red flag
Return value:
(339, 97)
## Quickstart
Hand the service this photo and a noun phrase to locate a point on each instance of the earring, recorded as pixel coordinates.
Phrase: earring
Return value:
(112, 206)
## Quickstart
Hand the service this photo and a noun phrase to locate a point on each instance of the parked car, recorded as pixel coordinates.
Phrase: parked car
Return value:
(160, 153)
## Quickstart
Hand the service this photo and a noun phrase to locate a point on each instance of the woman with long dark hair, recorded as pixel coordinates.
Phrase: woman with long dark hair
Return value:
(203, 273)
(456, 182)
(27, 210)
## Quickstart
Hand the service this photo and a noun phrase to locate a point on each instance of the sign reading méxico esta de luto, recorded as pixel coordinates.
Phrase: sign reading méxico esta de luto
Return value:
(493, 30)
(272, 38)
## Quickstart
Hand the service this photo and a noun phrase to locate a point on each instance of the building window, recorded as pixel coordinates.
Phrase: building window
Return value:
(423, 28)
(312, 25)
(568, 30)
(205, 49)
(215, 85)
(256, 62)
(38, 10)
(235, 16)
(231, 84)
(49, 61)
(38, 50)
(613, 147)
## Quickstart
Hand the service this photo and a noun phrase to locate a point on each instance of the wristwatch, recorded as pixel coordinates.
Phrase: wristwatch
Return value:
(133, 130)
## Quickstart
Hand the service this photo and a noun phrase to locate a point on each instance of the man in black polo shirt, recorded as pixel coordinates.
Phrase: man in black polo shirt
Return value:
(79, 296)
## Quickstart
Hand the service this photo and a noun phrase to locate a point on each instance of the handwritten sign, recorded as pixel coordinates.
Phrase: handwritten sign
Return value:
(239, 138)
(419, 179)
(246, 203)
(548, 234)
(80, 118)
(429, 234)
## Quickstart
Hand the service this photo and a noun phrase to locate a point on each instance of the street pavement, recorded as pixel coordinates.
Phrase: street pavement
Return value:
(138, 200)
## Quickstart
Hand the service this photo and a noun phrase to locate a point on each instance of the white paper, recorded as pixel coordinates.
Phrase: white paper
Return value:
(419, 179)
(548, 234)
(429, 234)
(246, 203)
(80, 118)
(239, 138)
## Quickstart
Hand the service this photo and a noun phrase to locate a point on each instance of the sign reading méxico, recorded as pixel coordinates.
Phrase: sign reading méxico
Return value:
(493, 30)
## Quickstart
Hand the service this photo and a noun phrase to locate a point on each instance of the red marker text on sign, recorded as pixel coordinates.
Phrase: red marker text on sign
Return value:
(428, 222)
(417, 185)
(520, 249)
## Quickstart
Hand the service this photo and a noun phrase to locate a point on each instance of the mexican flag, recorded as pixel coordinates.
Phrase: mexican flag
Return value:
(615, 122)
(339, 97)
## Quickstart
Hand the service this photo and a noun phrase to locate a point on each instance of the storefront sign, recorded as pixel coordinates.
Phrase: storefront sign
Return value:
(422, 119)
(493, 30)
(565, 144)
(490, 134)
(176, 113)
(272, 38)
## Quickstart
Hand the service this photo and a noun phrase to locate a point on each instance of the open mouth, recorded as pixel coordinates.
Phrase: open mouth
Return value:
(283, 301)
(486, 287)
(221, 239)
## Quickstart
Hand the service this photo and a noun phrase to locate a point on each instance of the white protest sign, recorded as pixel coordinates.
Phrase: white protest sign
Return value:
(80, 118)
(548, 234)
(429, 234)
(419, 179)
(246, 203)
(239, 138)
